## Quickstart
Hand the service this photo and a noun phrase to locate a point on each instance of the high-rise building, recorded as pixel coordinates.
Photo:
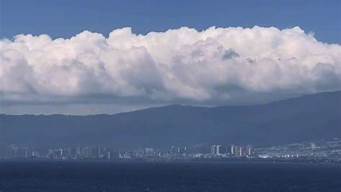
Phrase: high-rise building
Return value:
(249, 151)
(212, 149)
(232, 150)
(216, 149)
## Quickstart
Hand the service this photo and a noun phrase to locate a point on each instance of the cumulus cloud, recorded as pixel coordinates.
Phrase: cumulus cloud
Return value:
(216, 65)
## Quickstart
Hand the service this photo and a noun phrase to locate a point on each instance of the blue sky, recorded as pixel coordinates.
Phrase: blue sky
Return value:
(64, 18)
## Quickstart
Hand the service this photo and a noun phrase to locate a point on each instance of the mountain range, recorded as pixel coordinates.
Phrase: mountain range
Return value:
(309, 117)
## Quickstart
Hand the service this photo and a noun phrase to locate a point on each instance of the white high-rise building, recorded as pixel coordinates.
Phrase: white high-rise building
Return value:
(216, 149)
(232, 150)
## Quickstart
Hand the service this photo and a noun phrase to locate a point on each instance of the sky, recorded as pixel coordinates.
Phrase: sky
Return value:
(87, 57)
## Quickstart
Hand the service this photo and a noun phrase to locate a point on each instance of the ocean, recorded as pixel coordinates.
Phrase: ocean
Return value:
(101, 176)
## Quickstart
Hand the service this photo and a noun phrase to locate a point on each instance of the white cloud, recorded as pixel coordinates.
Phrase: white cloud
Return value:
(216, 65)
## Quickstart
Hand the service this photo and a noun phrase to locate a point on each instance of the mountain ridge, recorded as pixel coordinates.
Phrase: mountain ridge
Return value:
(302, 118)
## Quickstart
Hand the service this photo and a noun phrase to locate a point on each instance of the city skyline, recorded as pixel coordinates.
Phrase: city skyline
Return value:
(308, 151)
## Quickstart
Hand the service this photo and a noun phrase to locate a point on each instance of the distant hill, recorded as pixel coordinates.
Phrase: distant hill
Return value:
(308, 117)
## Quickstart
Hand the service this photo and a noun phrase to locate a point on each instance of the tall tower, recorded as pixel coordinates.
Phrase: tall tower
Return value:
(232, 150)
(213, 149)
(218, 150)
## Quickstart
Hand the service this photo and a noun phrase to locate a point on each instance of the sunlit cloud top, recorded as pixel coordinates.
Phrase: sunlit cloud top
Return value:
(213, 66)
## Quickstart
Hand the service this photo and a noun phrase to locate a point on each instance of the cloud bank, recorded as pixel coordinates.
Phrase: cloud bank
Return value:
(216, 66)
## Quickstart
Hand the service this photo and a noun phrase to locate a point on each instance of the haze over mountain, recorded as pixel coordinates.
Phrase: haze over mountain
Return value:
(309, 117)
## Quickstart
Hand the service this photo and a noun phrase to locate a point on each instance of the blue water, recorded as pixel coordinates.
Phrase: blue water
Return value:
(33, 176)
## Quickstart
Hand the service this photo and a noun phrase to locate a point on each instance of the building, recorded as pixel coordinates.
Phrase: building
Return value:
(216, 150)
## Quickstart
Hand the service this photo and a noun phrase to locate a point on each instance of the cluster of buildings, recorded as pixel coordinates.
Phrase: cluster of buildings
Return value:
(232, 151)
(191, 152)
(58, 153)
(109, 153)
(321, 150)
